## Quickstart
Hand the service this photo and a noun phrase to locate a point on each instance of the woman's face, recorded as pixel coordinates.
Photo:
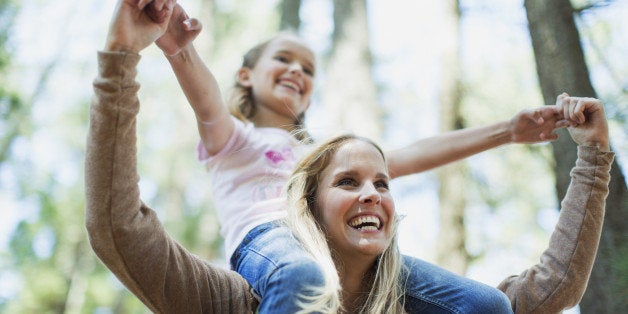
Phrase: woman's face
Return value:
(282, 79)
(354, 202)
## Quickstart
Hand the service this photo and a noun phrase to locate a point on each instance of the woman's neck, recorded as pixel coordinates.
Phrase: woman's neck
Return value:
(356, 281)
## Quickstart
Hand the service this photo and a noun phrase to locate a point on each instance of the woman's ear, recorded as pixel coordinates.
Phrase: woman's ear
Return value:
(244, 77)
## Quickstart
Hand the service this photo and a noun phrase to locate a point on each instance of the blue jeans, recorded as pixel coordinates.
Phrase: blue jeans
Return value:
(279, 270)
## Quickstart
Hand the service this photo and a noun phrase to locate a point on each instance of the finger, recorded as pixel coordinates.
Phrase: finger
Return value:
(579, 110)
(560, 97)
(142, 3)
(155, 15)
(572, 109)
(158, 5)
(550, 137)
(565, 106)
(537, 117)
(561, 124)
(192, 25)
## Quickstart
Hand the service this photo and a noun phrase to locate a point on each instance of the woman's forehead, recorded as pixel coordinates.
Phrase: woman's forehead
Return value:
(358, 153)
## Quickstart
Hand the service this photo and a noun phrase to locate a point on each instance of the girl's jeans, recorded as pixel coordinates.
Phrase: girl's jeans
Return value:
(280, 271)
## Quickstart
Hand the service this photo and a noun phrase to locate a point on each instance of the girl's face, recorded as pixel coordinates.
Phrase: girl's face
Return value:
(354, 202)
(281, 80)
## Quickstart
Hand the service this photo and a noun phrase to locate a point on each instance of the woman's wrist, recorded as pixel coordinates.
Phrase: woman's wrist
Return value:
(603, 146)
(113, 44)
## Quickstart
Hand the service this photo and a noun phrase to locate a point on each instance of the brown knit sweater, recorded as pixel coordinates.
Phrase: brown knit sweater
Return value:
(127, 236)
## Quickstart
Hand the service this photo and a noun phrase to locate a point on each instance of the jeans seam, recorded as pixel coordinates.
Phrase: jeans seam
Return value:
(432, 301)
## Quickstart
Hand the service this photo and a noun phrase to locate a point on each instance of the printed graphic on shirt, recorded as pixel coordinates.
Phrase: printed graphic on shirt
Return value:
(282, 160)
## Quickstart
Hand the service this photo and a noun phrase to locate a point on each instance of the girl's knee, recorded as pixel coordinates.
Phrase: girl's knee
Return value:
(305, 271)
(493, 301)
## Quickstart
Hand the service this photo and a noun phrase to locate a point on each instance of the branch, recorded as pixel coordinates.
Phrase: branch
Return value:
(592, 5)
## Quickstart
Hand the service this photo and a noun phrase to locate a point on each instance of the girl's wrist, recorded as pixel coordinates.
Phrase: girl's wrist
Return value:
(183, 55)
(504, 132)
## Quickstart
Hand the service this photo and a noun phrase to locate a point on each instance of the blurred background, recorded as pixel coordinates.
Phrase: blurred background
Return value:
(393, 70)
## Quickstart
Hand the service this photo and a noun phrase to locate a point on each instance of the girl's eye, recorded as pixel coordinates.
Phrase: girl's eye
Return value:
(381, 184)
(308, 71)
(281, 59)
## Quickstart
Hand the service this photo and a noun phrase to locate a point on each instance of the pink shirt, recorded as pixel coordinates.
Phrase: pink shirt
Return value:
(248, 177)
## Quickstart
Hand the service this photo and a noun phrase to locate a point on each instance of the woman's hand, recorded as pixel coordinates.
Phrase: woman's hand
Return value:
(138, 23)
(586, 119)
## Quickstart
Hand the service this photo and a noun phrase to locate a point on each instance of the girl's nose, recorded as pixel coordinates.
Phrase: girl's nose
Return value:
(295, 67)
(369, 195)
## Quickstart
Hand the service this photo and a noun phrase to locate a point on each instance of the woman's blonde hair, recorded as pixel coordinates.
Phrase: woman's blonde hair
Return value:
(241, 102)
(386, 294)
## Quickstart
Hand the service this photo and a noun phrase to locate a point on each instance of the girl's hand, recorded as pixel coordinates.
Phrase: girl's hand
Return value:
(538, 125)
(181, 31)
(586, 119)
(138, 23)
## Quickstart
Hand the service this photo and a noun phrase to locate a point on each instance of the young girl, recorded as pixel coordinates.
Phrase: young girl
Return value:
(251, 147)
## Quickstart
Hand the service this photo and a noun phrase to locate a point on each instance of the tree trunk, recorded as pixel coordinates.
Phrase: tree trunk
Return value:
(349, 95)
(452, 253)
(290, 19)
(561, 67)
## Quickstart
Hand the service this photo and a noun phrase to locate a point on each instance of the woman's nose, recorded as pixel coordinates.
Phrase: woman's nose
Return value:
(369, 195)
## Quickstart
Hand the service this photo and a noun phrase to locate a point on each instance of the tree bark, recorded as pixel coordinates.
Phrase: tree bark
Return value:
(451, 253)
(561, 67)
(290, 19)
(350, 95)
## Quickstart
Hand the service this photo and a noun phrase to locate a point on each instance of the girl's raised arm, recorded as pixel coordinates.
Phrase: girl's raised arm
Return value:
(527, 126)
(198, 83)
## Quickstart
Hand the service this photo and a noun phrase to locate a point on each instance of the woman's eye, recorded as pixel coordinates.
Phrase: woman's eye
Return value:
(344, 182)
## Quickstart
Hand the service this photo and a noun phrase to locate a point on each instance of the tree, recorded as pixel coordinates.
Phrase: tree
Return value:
(561, 67)
(350, 95)
(451, 250)
(290, 19)
(12, 108)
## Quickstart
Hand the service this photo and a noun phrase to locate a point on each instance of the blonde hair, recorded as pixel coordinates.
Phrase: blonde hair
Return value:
(386, 294)
(241, 102)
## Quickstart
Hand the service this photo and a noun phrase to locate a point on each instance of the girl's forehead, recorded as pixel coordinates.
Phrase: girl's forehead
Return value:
(290, 45)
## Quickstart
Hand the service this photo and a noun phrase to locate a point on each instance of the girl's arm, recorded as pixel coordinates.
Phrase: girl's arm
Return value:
(528, 126)
(198, 83)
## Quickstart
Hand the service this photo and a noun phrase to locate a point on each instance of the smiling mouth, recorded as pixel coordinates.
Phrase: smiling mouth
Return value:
(366, 223)
(291, 85)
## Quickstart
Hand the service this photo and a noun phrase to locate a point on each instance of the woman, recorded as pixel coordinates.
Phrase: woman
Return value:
(129, 239)
(342, 211)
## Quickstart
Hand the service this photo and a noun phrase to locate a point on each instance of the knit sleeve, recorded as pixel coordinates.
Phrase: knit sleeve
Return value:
(125, 233)
(559, 280)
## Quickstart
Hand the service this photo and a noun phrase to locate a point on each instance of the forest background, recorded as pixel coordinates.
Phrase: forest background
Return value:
(393, 70)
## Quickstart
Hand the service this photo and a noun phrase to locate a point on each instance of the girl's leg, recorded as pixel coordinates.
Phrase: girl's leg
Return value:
(432, 289)
(277, 268)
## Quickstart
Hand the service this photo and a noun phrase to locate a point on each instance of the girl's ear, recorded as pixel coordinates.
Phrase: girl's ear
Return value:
(244, 77)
